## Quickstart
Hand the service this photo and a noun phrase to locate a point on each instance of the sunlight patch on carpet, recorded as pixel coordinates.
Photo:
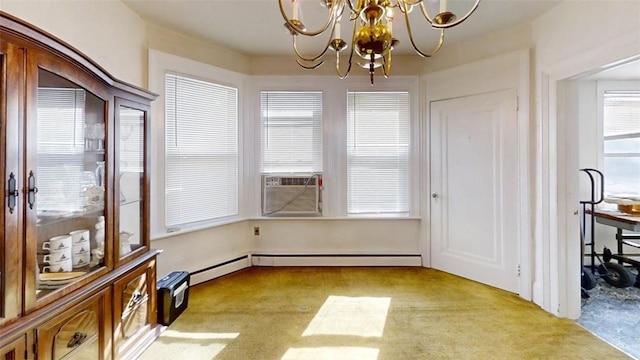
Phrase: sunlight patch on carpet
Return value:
(331, 353)
(194, 335)
(355, 316)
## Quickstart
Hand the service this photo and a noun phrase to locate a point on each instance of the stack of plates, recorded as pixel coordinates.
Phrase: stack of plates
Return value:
(56, 280)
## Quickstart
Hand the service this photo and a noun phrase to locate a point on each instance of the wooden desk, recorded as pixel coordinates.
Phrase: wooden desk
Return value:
(621, 221)
(618, 220)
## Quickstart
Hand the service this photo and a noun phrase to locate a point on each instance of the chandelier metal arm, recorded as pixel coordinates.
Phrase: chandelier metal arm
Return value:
(354, 9)
(342, 76)
(306, 58)
(309, 67)
(451, 24)
(332, 16)
(415, 47)
(353, 45)
(386, 64)
(405, 3)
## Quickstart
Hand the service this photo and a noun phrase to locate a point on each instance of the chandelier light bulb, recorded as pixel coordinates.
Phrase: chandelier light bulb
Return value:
(443, 6)
(294, 9)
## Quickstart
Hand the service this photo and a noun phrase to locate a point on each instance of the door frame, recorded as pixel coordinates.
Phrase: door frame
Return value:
(508, 71)
(557, 249)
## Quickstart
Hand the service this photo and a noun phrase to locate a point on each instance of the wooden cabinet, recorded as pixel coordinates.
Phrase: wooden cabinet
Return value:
(15, 349)
(80, 333)
(134, 304)
(77, 274)
(11, 104)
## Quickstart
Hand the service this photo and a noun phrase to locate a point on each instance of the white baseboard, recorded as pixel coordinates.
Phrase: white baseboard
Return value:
(216, 271)
(246, 261)
(336, 260)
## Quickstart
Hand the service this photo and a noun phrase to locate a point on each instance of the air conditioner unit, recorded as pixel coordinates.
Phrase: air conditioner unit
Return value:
(288, 195)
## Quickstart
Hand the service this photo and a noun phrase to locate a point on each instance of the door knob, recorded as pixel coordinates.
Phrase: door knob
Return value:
(435, 195)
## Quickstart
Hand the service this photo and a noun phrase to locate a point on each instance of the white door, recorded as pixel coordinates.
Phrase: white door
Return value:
(474, 188)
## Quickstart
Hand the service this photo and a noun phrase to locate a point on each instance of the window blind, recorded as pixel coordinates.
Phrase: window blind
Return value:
(621, 130)
(60, 148)
(378, 152)
(201, 150)
(291, 131)
(131, 140)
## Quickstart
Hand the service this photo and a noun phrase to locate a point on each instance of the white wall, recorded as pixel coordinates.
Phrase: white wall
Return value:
(199, 250)
(106, 31)
(337, 236)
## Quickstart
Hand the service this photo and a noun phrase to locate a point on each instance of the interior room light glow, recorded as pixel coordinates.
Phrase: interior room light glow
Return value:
(331, 353)
(355, 316)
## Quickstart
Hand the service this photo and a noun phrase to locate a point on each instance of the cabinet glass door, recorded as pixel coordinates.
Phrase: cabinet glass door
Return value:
(11, 193)
(131, 171)
(11, 244)
(66, 189)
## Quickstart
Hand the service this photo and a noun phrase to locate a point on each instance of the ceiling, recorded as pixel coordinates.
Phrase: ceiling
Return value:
(626, 70)
(255, 27)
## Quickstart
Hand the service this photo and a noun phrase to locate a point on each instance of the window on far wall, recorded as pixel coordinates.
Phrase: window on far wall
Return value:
(201, 150)
(291, 131)
(378, 153)
(621, 130)
(61, 127)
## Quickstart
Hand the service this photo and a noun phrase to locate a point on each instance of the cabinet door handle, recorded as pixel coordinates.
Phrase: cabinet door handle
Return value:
(32, 190)
(13, 193)
(77, 339)
(136, 299)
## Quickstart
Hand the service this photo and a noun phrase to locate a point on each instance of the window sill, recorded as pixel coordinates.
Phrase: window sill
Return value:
(199, 227)
(334, 218)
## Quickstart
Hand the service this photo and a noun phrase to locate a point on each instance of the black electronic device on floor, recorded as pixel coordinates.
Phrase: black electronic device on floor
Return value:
(173, 296)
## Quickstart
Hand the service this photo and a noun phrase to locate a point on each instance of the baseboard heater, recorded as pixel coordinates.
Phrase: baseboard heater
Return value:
(221, 269)
(336, 260)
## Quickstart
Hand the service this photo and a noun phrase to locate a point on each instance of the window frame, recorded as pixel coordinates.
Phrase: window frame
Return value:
(161, 63)
(363, 159)
(334, 102)
(293, 123)
(602, 87)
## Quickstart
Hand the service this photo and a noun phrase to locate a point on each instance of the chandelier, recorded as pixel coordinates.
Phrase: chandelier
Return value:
(372, 35)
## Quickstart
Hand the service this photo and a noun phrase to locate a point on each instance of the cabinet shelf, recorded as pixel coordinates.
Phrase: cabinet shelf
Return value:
(129, 202)
(52, 217)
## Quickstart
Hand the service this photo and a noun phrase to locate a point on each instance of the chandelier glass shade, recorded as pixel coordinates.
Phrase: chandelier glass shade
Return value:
(372, 24)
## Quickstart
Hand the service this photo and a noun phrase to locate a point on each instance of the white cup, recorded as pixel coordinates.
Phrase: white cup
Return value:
(55, 258)
(57, 243)
(81, 256)
(59, 253)
(62, 266)
(79, 237)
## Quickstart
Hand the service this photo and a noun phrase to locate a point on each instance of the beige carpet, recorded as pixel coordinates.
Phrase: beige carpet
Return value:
(366, 314)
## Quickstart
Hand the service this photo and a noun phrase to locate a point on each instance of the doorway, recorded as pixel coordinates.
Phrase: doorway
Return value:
(609, 312)
(474, 213)
(499, 85)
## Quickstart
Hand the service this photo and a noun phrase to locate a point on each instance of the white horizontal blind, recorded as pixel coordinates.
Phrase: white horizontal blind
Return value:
(378, 152)
(291, 127)
(131, 140)
(60, 148)
(201, 150)
(621, 130)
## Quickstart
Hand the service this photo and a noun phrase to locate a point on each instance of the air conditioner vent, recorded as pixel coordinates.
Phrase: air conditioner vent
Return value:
(291, 195)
